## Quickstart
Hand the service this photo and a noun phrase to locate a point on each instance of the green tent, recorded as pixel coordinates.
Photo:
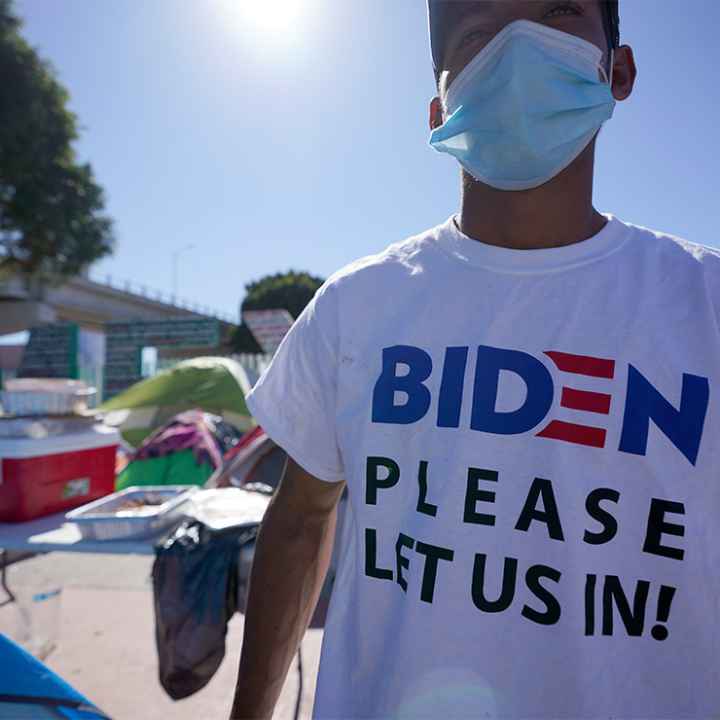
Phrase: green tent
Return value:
(180, 468)
(214, 384)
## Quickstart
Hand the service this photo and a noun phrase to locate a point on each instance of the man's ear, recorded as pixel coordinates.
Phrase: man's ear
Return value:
(436, 113)
(624, 73)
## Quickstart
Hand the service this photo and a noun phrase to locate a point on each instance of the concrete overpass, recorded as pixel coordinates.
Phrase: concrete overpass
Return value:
(91, 303)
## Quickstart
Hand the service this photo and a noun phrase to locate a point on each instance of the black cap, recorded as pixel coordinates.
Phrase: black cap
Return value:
(444, 13)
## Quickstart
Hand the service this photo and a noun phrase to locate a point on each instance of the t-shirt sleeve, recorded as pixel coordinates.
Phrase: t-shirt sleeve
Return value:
(294, 400)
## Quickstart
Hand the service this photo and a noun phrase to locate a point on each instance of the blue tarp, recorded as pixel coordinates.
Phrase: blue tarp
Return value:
(28, 689)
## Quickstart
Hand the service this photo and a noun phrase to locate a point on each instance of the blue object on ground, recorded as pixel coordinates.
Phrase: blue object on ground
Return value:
(29, 689)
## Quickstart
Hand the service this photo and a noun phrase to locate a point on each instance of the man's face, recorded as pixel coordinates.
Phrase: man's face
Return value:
(476, 22)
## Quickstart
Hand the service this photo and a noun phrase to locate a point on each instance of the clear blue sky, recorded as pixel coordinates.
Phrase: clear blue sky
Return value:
(305, 146)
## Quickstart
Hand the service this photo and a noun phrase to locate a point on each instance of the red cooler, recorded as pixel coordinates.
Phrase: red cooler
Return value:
(60, 472)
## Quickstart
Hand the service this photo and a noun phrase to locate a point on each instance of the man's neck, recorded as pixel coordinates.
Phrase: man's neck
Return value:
(558, 213)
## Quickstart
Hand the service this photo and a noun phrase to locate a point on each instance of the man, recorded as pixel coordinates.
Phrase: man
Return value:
(521, 404)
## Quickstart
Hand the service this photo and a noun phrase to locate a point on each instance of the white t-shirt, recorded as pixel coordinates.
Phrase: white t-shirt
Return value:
(531, 444)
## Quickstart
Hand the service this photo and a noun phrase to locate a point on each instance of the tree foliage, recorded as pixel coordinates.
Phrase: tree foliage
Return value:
(290, 290)
(52, 223)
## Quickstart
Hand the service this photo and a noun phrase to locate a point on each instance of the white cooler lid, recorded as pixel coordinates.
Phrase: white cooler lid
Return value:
(97, 436)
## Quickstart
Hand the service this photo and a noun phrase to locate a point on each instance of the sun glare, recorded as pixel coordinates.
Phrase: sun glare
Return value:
(273, 17)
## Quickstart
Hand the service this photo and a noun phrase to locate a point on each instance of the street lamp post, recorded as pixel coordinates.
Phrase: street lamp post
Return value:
(176, 257)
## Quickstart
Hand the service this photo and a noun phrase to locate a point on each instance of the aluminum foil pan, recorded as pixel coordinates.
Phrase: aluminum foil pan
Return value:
(45, 396)
(134, 513)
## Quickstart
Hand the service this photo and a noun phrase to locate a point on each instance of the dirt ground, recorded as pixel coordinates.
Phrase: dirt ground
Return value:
(106, 643)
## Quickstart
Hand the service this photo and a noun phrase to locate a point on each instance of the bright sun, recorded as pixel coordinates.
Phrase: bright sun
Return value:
(274, 17)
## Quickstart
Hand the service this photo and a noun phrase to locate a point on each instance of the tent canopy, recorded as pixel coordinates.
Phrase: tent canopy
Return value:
(29, 689)
(214, 384)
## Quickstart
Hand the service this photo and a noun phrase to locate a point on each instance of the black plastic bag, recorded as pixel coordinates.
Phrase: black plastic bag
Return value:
(195, 584)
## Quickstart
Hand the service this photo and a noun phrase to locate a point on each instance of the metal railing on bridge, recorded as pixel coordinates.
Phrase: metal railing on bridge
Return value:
(161, 296)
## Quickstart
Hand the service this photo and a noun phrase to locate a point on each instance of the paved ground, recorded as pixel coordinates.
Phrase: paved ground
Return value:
(106, 645)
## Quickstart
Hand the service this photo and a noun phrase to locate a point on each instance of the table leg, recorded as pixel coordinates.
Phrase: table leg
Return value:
(8, 558)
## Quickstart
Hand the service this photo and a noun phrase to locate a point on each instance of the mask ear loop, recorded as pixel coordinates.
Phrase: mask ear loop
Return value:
(609, 81)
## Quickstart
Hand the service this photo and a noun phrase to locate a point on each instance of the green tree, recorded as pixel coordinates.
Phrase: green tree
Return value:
(290, 290)
(52, 223)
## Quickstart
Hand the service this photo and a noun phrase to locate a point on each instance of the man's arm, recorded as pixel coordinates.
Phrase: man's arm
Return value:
(292, 555)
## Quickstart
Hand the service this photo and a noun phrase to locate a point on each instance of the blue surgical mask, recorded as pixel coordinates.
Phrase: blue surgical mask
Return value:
(525, 106)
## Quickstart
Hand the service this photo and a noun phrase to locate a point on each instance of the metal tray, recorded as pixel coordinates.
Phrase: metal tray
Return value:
(45, 396)
(102, 520)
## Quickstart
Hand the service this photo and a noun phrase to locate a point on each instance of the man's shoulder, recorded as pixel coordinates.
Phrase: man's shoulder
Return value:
(404, 258)
(686, 253)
